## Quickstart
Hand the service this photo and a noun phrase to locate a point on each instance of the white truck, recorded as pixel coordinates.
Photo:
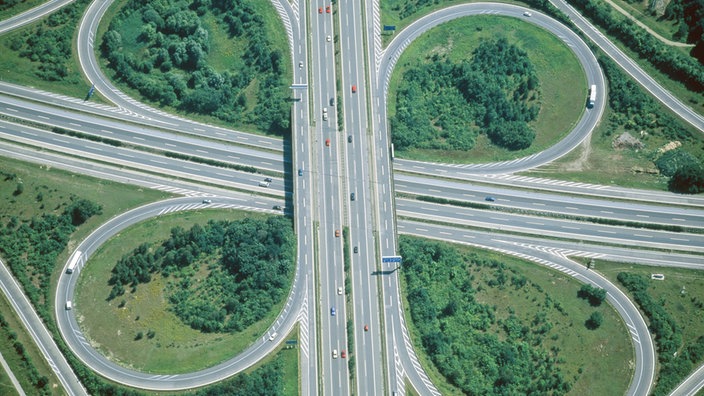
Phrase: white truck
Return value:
(592, 96)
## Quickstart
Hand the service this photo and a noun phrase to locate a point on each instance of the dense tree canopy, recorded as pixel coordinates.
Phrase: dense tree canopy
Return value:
(253, 261)
(167, 61)
(444, 106)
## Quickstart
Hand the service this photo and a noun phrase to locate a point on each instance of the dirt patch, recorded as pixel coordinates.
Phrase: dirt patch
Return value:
(582, 162)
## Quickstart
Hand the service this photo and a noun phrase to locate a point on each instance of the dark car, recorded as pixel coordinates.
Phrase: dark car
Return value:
(356, 249)
(490, 199)
(352, 197)
(332, 101)
(268, 180)
(300, 172)
(349, 138)
(277, 207)
(332, 311)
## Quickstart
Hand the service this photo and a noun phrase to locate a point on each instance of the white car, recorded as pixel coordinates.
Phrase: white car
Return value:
(328, 38)
(334, 353)
(273, 336)
(527, 13)
(339, 290)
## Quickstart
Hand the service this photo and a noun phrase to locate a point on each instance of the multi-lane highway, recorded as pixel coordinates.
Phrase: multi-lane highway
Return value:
(329, 165)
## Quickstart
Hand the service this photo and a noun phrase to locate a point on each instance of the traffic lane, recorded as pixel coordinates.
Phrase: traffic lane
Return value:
(114, 121)
(147, 161)
(554, 203)
(550, 227)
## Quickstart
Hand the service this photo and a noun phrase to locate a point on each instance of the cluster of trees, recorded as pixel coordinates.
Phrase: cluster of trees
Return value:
(690, 15)
(441, 105)
(40, 382)
(460, 334)
(595, 295)
(675, 364)
(685, 171)
(266, 380)
(31, 247)
(48, 44)
(670, 61)
(167, 62)
(255, 257)
(636, 111)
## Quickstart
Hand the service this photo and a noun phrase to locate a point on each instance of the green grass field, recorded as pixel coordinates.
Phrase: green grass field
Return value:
(585, 354)
(562, 81)
(176, 348)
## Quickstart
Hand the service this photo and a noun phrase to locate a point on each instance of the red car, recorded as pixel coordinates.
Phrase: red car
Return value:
(337, 233)
(354, 89)
(343, 354)
(327, 9)
(366, 327)
(320, 10)
(327, 142)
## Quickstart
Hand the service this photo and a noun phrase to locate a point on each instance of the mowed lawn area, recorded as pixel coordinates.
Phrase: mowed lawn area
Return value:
(562, 81)
(174, 347)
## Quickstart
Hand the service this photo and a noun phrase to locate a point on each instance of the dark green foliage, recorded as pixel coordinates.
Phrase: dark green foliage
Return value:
(7, 4)
(256, 259)
(444, 106)
(458, 332)
(48, 44)
(595, 295)
(267, 380)
(673, 365)
(83, 209)
(688, 179)
(594, 321)
(19, 189)
(668, 60)
(173, 69)
(669, 162)
(139, 336)
(690, 14)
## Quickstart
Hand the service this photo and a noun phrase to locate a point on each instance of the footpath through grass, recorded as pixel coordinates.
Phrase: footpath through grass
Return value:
(562, 82)
(167, 344)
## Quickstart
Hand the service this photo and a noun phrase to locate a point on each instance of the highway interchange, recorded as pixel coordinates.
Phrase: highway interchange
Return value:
(321, 195)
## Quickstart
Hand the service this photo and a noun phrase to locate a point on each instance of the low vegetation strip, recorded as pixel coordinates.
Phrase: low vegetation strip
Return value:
(595, 220)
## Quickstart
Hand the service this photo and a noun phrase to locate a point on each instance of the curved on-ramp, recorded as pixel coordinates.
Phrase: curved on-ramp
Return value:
(69, 328)
(594, 75)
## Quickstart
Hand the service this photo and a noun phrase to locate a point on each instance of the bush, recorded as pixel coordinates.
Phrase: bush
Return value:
(594, 321)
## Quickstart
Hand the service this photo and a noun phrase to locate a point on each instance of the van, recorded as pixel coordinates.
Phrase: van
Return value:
(68, 305)
(263, 183)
